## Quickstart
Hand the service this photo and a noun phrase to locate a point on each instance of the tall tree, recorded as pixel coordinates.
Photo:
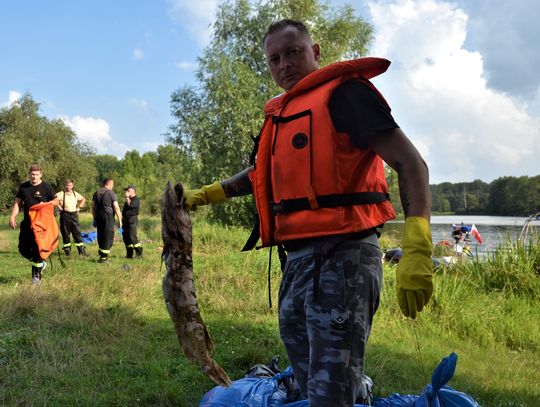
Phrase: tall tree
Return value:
(216, 120)
(108, 166)
(509, 196)
(26, 137)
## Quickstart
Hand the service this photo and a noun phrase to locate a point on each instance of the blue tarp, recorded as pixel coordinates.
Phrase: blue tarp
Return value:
(89, 237)
(266, 392)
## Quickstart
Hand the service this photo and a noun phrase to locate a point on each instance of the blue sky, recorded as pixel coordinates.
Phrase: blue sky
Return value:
(116, 61)
(463, 84)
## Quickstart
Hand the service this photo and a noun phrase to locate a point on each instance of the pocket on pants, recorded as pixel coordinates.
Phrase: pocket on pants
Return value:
(331, 290)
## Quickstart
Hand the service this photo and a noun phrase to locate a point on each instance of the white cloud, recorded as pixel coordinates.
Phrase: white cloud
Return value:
(138, 54)
(185, 65)
(96, 133)
(440, 97)
(13, 97)
(196, 16)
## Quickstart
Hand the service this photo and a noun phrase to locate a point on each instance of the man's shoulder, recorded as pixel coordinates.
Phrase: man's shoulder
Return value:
(45, 184)
(353, 86)
(98, 193)
(110, 196)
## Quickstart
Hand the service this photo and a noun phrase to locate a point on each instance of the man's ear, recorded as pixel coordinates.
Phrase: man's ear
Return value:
(316, 52)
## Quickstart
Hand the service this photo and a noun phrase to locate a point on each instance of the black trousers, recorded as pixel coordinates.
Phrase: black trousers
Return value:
(69, 225)
(129, 231)
(105, 231)
(28, 247)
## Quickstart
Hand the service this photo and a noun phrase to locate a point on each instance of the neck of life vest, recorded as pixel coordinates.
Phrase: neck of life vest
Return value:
(308, 179)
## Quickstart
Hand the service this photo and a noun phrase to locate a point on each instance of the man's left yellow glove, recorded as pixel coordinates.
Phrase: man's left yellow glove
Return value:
(207, 194)
(413, 279)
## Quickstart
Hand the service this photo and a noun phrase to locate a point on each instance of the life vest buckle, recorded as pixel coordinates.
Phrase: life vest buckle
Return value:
(312, 199)
(277, 207)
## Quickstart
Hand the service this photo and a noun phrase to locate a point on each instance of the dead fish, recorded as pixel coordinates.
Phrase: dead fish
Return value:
(178, 285)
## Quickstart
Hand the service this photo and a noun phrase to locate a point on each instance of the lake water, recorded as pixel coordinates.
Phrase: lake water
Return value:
(493, 229)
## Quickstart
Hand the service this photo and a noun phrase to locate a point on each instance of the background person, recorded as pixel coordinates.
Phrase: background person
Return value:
(104, 207)
(31, 193)
(130, 216)
(320, 191)
(70, 202)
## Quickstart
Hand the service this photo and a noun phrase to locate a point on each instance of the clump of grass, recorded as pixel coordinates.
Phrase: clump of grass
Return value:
(502, 289)
(512, 269)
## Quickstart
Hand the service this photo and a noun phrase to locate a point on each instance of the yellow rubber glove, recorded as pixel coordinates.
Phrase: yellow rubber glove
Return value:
(413, 279)
(208, 194)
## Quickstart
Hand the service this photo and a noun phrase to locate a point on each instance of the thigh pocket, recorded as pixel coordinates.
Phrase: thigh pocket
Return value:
(331, 288)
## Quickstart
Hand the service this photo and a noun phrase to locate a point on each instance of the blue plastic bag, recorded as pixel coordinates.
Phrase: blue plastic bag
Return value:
(435, 394)
(248, 392)
(265, 392)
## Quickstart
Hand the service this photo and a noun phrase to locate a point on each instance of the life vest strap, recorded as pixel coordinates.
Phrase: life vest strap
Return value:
(253, 238)
(328, 201)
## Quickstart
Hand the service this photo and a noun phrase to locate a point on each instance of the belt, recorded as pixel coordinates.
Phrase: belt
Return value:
(298, 244)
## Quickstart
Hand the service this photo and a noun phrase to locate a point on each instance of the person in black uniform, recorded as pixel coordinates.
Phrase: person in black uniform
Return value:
(104, 207)
(70, 204)
(29, 194)
(130, 215)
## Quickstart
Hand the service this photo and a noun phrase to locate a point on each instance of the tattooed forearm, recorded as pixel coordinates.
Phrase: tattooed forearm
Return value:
(238, 185)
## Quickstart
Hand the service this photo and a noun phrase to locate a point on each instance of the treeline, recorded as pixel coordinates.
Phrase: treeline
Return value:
(505, 196)
(27, 137)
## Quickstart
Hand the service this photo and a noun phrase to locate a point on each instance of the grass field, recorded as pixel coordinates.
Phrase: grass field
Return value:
(99, 334)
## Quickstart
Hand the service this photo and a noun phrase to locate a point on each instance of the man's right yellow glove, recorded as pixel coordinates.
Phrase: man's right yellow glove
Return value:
(208, 194)
(413, 279)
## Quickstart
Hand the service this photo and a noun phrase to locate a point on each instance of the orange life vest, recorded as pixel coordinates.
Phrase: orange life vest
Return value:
(309, 180)
(43, 223)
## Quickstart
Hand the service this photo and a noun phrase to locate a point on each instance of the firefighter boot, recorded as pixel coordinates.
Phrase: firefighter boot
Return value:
(129, 252)
(82, 251)
(138, 252)
(36, 275)
(103, 259)
(103, 256)
(67, 250)
(37, 269)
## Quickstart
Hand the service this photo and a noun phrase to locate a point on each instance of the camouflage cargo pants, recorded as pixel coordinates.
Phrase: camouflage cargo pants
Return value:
(328, 296)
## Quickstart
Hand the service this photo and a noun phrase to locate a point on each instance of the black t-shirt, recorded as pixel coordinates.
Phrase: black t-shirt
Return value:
(34, 194)
(132, 210)
(103, 200)
(356, 109)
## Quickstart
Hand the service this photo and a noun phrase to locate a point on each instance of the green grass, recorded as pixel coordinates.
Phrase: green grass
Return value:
(99, 335)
